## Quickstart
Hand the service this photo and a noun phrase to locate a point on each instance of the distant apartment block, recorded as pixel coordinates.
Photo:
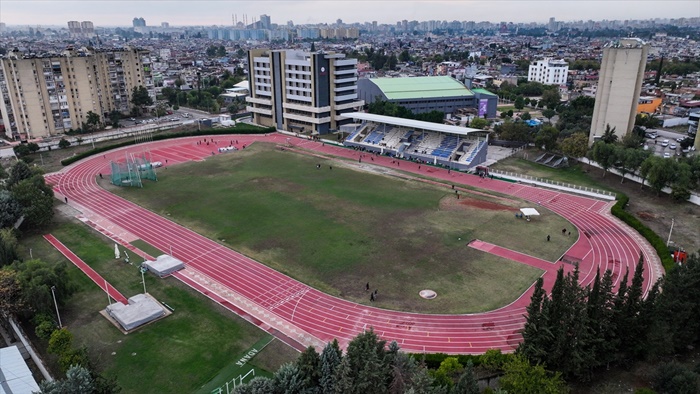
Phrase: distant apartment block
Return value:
(83, 29)
(619, 85)
(549, 72)
(339, 32)
(48, 95)
(301, 91)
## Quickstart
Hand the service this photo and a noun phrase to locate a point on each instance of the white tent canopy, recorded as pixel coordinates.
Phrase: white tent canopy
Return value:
(529, 211)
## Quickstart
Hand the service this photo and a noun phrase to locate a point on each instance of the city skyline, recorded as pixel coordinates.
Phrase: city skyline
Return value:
(110, 13)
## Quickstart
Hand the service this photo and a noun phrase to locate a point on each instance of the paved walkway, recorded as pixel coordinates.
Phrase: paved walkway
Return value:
(87, 270)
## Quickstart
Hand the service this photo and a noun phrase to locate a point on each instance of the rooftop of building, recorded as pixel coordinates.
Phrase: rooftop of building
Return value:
(412, 124)
(421, 87)
(484, 92)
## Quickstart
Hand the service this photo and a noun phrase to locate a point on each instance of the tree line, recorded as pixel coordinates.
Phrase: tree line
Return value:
(371, 366)
(580, 330)
(28, 286)
(681, 175)
(382, 107)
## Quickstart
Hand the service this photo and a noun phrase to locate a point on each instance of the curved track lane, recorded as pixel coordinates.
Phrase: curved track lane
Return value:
(312, 317)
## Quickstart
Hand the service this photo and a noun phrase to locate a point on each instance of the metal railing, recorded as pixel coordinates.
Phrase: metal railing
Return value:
(556, 184)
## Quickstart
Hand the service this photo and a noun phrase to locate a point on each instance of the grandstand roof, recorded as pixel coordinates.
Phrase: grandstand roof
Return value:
(421, 87)
(483, 91)
(410, 123)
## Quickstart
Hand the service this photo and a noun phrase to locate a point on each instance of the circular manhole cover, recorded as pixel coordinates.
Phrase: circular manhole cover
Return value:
(428, 294)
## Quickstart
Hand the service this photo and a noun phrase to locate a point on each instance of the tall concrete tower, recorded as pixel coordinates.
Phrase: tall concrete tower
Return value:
(619, 85)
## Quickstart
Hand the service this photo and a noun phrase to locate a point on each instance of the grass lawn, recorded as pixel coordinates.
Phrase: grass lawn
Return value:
(576, 174)
(179, 354)
(338, 229)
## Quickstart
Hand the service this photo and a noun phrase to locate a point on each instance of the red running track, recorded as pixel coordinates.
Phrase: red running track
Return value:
(313, 317)
(87, 270)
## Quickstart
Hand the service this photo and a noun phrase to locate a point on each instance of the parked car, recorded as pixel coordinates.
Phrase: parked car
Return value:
(664, 143)
(673, 145)
(667, 155)
(679, 139)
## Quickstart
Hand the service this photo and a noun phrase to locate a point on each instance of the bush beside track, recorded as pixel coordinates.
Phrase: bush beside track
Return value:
(238, 129)
(661, 249)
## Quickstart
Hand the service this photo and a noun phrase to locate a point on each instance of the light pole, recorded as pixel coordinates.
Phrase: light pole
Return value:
(669, 234)
(53, 293)
(143, 279)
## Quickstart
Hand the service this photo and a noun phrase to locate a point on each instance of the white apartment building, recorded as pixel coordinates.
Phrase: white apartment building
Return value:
(48, 95)
(301, 91)
(619, 85)
(549, 72)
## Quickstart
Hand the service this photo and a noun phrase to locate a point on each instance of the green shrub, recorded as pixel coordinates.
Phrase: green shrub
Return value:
(619, 210)
(433, 360)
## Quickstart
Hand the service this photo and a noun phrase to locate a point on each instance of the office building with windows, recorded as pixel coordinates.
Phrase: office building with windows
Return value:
(301, 91)
(50, 94)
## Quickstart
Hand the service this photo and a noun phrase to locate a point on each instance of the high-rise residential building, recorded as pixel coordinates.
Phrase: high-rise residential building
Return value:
(301, 91)
(87, 29)
(265, 22)
(165, 25)
(549, 72)
(74, 29)
(84, 29)
(49, 95)
(619, 85)
(139, 22)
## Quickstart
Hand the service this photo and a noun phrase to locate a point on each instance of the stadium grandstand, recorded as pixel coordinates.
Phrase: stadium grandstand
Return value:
(425, 94)
(455, 147)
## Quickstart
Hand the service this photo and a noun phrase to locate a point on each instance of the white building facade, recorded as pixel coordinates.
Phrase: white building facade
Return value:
(549, 72)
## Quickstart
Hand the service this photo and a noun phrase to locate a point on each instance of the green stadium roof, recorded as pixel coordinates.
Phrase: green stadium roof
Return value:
(484, 91)
(421, 87)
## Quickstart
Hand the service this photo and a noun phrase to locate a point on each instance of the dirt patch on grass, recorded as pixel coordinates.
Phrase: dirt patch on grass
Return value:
(452, 203)
(646, 215)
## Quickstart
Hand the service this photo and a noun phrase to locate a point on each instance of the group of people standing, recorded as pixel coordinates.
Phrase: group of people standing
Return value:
(372, 294)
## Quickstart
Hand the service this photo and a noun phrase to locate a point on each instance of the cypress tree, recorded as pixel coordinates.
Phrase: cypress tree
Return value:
(343, 377)
(331, 357)
(467, 383)
(632, 343)
(309, 366)
(536, 334)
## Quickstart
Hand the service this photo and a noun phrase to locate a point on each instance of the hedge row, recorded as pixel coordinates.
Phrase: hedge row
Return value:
(433, 360)
(661, 249)
(238, 129)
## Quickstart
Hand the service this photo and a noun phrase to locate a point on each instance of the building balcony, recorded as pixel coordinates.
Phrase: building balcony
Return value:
(261, 111)
(299, 98)
(345, 72)
(263, 93)
(354, 104)
(309, 119)
(345, 88)
(257, 100)
(345, 62)
(345, 80)
(306, 108)
(346, 97)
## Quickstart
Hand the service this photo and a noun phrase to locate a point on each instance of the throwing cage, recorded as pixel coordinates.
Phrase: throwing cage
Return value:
(132, 171)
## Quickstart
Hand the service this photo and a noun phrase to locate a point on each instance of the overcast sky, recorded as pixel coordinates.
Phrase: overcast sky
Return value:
(193, 12)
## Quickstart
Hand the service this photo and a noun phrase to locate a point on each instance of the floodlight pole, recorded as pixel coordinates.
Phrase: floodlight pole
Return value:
(143, 280)
(109, 300)
(53, 293)
(669, 233)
